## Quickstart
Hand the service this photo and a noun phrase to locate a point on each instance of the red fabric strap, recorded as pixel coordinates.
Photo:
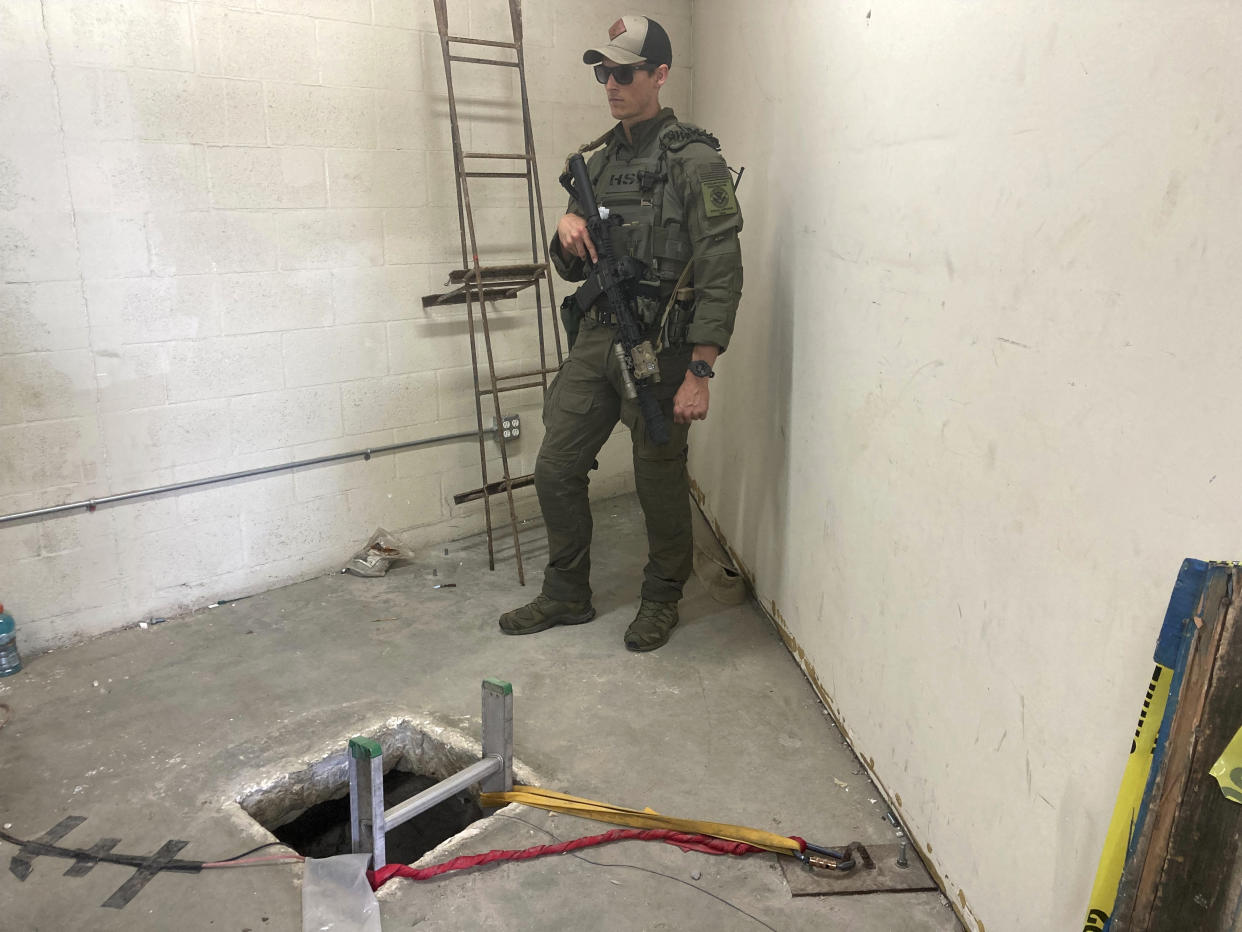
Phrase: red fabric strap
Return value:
(687, 842)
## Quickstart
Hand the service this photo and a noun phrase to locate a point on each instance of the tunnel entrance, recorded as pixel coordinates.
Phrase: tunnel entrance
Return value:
(308, 809)
(323, 830)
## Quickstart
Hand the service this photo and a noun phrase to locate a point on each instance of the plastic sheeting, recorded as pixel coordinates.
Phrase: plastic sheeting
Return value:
(336, 895)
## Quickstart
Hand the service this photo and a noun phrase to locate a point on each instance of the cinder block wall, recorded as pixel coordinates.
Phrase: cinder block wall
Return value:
(217, 220)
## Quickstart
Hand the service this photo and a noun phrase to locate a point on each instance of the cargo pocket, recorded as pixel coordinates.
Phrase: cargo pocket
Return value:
(570, 428)
(561, 398)
(573, 403)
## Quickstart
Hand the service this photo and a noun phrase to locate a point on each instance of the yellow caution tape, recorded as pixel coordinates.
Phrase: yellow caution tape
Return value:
(1129, 799)
(636, 818)
(1228, 770)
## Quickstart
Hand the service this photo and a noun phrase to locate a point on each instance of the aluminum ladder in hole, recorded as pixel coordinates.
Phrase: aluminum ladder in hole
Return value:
(369, 821)
(476, 284)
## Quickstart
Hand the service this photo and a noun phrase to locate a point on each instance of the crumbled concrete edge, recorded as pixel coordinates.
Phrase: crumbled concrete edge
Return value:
(293, 784)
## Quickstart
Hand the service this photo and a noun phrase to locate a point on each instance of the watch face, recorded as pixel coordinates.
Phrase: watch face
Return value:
(702, 369)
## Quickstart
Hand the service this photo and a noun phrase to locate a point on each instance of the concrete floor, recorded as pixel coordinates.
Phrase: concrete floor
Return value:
(155, 734)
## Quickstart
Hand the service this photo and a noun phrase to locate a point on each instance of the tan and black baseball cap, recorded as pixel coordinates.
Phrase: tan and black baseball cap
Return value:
(632, 39)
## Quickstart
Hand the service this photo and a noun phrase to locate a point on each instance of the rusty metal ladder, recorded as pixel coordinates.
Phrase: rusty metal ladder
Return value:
(475, 284)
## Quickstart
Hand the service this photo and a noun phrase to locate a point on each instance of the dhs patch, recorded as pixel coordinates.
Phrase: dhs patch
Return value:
(718, 197)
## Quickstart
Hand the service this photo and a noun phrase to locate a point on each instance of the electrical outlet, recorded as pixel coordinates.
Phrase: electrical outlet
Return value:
(511, 426)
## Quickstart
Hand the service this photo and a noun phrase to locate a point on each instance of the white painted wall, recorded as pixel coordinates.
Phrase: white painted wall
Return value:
(986, 373)
(217, 220)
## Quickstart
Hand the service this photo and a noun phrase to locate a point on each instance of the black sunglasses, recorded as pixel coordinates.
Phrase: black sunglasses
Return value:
(623, 73)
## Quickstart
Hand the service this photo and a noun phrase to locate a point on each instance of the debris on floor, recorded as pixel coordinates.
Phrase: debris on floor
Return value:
(713, 565)
(377, 555)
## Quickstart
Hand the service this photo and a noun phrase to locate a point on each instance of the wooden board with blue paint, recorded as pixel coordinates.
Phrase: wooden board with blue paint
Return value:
(1148, 744)
(1183, 868)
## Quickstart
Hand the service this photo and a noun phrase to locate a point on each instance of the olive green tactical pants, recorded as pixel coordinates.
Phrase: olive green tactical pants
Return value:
(582, 407)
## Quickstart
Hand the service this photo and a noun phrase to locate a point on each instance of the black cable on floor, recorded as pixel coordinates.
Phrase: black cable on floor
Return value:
(127, 860)
(238, 857)
(177, 865)
(644, 869)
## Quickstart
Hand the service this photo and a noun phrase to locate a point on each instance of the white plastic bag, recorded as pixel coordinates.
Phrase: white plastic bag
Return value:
(377, 555)
(336, 896)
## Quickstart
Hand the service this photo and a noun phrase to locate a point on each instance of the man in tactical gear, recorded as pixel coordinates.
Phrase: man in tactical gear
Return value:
(679, 219)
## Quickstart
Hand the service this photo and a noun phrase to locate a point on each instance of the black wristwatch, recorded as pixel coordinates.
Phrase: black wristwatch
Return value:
(702, 369)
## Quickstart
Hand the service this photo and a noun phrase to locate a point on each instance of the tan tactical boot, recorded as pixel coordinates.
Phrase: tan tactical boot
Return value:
(652, 625)
(543, 613)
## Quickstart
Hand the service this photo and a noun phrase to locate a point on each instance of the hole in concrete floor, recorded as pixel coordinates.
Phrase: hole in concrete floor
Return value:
(323, 830)
(308, 809)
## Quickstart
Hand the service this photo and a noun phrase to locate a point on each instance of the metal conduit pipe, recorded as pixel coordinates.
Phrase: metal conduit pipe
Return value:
(92, 503)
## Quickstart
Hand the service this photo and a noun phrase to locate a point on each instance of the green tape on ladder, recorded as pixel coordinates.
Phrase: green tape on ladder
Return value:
(364, 747)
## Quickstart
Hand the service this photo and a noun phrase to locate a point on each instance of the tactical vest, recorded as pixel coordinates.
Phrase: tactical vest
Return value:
(652, 210)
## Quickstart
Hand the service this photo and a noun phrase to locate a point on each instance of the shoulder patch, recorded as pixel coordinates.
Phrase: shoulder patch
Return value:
(718, 197)
(679, 135)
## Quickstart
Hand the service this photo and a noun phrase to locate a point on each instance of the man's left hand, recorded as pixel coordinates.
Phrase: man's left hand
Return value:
(690, 402)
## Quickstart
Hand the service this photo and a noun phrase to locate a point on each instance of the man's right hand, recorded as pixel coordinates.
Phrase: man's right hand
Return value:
(575, 240)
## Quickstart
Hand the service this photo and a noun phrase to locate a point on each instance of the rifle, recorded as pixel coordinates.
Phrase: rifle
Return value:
(616, 276)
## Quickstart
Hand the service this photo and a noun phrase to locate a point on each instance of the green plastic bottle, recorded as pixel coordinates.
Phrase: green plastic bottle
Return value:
(10, 659)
